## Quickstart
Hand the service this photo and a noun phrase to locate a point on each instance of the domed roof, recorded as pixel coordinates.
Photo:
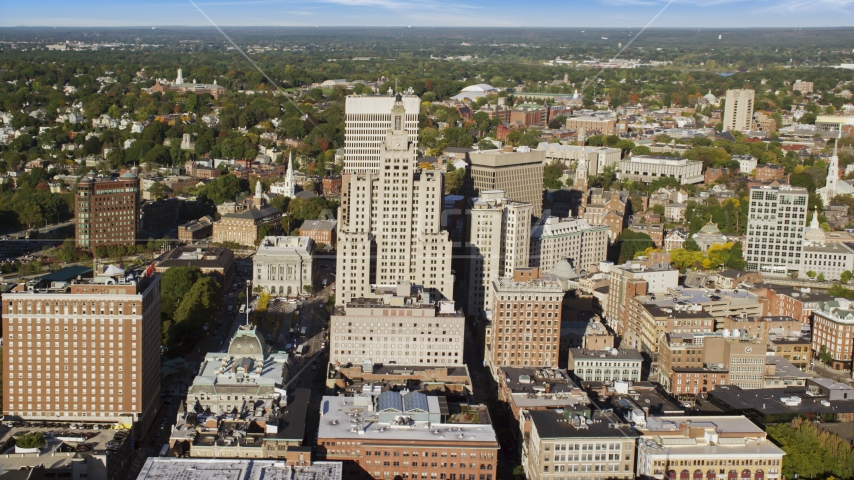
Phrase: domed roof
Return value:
(128, 174)
(246, 343)
(709, 229)
(480, 87)
(564, 270)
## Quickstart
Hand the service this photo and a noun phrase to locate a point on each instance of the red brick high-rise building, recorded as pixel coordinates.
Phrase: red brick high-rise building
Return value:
(83, 348)
(106, 211)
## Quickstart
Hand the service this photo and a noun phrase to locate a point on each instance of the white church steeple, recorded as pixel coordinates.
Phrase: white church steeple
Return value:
(289, 177)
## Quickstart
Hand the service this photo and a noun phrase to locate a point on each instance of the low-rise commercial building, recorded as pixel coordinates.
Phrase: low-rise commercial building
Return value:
(706, 447)
(605, 365)
(647, 169)
(321, 231)
(196, 230)
(578, 443)
(222, 468)
(528, 389)
(407, 435)
(93, 454)
(217, 262)
(769, 406)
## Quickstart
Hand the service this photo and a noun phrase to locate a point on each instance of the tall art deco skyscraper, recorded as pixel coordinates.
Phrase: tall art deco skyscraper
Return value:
(389, 222)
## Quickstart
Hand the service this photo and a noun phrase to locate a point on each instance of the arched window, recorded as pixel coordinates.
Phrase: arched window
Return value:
(711, 474)
(759, 475)
(698, 474)
(732, 475)
(746, 474)
(685, 475)
(671, 475)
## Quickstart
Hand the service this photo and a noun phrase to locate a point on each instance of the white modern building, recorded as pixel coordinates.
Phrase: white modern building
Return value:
(389, 222)
(498, 234)
(738, 110)
(368, 120)
(647, 169)
(397, 324)
(284, 265)
(776, 221)
(572, 239)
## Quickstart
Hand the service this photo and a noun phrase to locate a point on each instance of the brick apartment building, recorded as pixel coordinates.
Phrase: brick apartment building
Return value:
(406, 436)
(106, 211)
(195, 230)
(88, 346)
(321, 231)
(159, 216)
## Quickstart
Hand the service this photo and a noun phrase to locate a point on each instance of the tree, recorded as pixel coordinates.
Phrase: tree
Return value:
(31, 440)
(641, 150)
(485, 144)
(67, 251)
(551, 175)
(628, 244)
(30, 214)
(454, 181)
(846, 276)
(657, 209)
(157, 191)
(175, 283)
(811, 274)
(820, 277)
(691, 245)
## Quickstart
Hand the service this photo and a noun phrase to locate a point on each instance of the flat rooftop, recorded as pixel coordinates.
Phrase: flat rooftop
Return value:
(61, 445)
(584, 353)
(235, 469)
(767, 401)
(342, 419)
(553, 424)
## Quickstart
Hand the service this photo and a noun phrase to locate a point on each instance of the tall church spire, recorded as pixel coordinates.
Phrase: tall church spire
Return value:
(289, 177)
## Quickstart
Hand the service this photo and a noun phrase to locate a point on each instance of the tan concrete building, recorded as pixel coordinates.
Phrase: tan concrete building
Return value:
(706, 447)
(517, 172)
(80, 347)
(368, 119)
(594, 124)
(578, 443)
(738, 110)
(525, 326)
(605, 365)
(497, 243)
(106, 211)
(390, 225)
(572, 239)
(402, 325)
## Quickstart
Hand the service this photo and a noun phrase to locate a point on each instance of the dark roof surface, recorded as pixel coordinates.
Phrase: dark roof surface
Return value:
(67, 273)
(550, 424)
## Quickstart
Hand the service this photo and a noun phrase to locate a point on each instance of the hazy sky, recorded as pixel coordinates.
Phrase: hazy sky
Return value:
(504, 13)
